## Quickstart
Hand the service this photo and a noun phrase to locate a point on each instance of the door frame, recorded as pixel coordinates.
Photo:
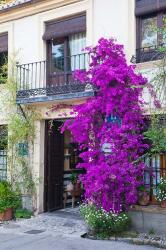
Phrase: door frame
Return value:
(46, 168)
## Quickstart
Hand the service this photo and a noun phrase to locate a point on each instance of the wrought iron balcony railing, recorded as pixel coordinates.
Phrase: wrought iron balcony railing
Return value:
(151, 53)
(41, 79)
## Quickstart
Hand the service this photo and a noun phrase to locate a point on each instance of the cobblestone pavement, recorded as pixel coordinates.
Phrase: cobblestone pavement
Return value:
(62, 223)
(60, 231)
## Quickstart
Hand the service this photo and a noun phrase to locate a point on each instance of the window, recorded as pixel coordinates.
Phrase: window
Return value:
(151, 35)
(57, 61)
(3, 57)
(3, 152)
(67, 54)
(149, 32)
(3, 67)
(66, 39)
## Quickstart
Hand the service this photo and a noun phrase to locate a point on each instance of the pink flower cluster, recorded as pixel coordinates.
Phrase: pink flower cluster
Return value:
(111, 179)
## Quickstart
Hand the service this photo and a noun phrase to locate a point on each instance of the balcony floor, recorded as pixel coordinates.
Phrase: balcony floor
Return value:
(46, 98)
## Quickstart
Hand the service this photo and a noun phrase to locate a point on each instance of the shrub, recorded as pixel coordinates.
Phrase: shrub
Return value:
(101, 221)
(8, 197)
(161, 190)
(23, 213)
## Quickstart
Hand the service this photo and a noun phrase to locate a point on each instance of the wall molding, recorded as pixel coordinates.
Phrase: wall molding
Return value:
(31, 9)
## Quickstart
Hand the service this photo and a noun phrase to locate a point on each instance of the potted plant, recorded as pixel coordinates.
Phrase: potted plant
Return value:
(161, 192)
(143, 196)
(9, 200)
(74, 187)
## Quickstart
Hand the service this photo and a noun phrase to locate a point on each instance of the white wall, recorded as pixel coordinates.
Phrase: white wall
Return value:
(108, 18)
(26, 39)
(115, 18)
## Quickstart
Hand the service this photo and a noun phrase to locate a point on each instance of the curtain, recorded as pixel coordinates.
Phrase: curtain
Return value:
(78, 58)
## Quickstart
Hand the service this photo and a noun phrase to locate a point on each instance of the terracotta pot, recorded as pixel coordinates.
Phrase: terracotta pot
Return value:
(163, 204)
(77, 189)
(2, 216)
(7, 215)
(77, 186)
(143, 199)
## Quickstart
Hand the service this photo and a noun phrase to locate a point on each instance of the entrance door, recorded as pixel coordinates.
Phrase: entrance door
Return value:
(54, 167)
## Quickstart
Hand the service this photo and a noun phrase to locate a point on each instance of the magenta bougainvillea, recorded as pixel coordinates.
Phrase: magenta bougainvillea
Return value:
(108, 128)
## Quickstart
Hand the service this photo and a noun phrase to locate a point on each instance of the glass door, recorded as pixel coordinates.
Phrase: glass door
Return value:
(65, 56)
(57, 62)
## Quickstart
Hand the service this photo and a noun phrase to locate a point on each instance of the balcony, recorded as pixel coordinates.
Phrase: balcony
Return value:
(48, 81)
(151, 53)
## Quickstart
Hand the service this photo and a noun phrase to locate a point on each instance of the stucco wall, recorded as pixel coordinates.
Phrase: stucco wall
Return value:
(115, 19)
(108, 18)
(26, 39)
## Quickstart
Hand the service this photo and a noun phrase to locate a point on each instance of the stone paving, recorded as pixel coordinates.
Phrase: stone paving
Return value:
(62, 223)
(60, 230)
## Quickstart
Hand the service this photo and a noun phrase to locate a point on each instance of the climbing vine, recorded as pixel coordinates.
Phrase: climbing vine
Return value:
(21, 134)
(156, 132)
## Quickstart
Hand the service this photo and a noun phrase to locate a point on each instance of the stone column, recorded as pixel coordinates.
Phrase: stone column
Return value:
(38, 165)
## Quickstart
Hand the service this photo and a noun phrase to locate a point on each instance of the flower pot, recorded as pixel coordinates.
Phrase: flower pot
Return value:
(6, 215)
(163, 204)
(77, 186)
(2, 216)
(143, 198)
(77, 189)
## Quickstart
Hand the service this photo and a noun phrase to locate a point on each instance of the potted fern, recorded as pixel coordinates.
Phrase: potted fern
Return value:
(9, 201)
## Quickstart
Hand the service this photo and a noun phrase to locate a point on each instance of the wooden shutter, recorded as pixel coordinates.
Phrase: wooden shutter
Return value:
(3, 42)
(144, 7)
(65, 27)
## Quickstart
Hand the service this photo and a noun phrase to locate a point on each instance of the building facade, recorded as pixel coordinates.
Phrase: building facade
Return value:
(46, 39)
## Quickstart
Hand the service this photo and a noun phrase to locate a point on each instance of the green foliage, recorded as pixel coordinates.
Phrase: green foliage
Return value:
(161, 190)
(3, 74)
(21, 129)
(23, 213)
(142, 188)
(8, 197)
(151, 231)
(3, 137)
(100, 221)
(74, 178)
(156, 134)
